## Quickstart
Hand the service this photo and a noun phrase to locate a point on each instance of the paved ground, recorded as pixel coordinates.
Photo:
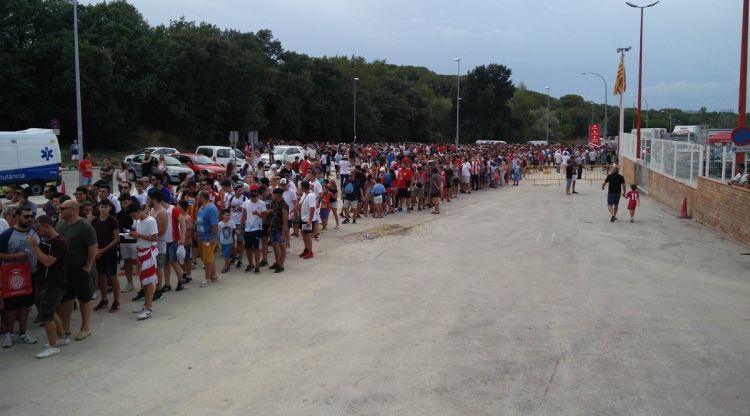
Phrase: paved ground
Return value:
(522, 301)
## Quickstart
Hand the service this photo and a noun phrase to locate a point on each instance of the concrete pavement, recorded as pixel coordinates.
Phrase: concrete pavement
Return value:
(520, 301)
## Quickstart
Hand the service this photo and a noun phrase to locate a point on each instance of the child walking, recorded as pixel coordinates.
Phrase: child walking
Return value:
(634, 199)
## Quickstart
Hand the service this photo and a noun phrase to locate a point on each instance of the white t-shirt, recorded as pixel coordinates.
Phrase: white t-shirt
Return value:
(146, 226)
(226, 232)
(290, 197)
(3, 225)
(253, 222)
(466, 169)
(308, 201)
(344, 167)
(235, 205)
(142, 198)
(317, 188)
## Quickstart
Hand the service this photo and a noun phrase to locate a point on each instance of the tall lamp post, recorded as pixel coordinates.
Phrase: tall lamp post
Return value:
(547, 89)
(670, 118)
(458, 94)
(604, 130)
(79, 116)
(640, 77)
(355, 109)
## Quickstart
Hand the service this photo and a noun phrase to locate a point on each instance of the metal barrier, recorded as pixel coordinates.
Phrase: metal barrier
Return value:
(546, 175)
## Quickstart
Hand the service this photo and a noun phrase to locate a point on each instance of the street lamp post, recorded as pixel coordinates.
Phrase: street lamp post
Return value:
(79, 116)
(355, 109)
(670, 118)
(604, 130)
(547, 89)
(640, 76)
(458, 94)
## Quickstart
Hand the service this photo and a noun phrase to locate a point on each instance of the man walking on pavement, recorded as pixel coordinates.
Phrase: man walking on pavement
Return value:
(616, 188)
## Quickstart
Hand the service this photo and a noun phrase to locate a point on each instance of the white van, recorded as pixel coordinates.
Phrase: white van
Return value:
(221, 154)
(30, 157)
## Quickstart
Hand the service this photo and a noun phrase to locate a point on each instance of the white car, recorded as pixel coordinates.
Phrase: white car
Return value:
(285, 154)
(155, 151)
(221, 154)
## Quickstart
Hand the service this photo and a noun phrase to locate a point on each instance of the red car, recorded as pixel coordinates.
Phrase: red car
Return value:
(198, 163)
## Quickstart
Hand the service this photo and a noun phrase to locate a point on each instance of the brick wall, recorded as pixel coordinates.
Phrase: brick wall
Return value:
(671, 192)
(628, 170)
(723, 208)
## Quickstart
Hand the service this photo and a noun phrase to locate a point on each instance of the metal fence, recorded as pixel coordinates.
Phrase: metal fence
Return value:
(540, 175)
(681, 160)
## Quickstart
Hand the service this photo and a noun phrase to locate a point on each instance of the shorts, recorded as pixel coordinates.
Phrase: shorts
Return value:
(434, 194)
(161, 260)
(47, 302)
(403, 193)
(613, 199)
(188, 252)
(568, 182)
(86, 181)
(172, 251)
(632, 205)
(277, 237)
(575, 177)
(334, 204)
(128, 251)
(73, 157)
(465, 179)
(324, 213)
(350, 204)
(207, 251)
(79, 285)
(12, 304)
(417, 192)
(377, 199)
(264, 231)
(107, 265)
(226, 250)
(252, 239)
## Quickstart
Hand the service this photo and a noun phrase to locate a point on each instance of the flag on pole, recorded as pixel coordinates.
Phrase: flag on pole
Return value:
(620, 81)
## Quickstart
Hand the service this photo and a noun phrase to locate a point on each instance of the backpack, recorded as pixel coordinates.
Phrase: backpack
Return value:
(349, 188)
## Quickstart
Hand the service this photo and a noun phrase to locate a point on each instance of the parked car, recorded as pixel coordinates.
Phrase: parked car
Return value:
(284, 153)
(155, 151)
(199, 163)
(220, 154)
(174, 168)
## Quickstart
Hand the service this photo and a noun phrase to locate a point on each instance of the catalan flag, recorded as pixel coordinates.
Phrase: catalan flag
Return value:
(620, 81)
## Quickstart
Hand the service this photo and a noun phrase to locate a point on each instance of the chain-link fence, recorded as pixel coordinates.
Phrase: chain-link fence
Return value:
(681, 160)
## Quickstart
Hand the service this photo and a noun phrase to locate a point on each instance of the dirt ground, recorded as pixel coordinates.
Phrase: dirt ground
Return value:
(517, 301)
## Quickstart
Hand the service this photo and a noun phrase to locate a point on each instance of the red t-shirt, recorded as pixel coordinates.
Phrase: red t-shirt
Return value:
(303, 167)
(86, 168)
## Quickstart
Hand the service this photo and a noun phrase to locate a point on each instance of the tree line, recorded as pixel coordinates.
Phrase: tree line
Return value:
(197, 82)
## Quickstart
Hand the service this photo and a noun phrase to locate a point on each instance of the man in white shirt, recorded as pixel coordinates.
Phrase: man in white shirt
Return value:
(252, 220)
(235, 204)
(308, 217)
(465, 177)
(741, 178)
(344, 170)
(147, 234)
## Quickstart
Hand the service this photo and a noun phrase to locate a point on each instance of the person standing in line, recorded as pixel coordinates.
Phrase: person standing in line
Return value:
(51, 255)
(128, 252)
(436, 182)
(107, 172)
(254, 211)
(634, 199)
(146, 233)
(158, 212)
(15, 248)
(570, 170)
(206, 231)
(108, 237)
(226, 238)
(187, 264)
(79, 283)
(279, 214)
(309, 218)
(616, 188)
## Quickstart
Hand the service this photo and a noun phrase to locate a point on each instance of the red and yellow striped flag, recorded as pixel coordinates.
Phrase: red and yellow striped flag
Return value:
(620, 81)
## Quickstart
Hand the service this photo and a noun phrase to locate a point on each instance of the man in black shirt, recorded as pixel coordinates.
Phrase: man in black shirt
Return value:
(616, 184)
(50, 282)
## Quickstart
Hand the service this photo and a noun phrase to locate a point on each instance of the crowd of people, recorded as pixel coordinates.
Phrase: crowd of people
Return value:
(75, 247)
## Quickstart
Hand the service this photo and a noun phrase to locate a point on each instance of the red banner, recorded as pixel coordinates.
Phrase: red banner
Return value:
(595, 135)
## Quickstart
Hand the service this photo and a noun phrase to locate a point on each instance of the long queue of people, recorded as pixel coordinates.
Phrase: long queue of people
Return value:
(71, 251)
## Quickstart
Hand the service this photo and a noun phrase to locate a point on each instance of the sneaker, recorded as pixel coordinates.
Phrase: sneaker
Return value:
(273, 266)
(248, 268)
(144, 315)
(48, 352)
(308, 255)
(166, 288)
(139, 310)
(187, 280)
(304, 253)
(115, 307)
(139, 296)
(128, 288)
(354, 220)
(61, 342)
(632, 220)
(158, 294)
(612, 219)
(239, 264)
(180, 287)
(279, 269)
(257, 270)
(263, 263)
(95, 295)
(206, 283)
(346, 221)
(101, 305)
(8, 340)
(25, 338)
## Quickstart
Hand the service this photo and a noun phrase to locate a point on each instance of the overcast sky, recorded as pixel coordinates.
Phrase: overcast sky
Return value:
(691, 51)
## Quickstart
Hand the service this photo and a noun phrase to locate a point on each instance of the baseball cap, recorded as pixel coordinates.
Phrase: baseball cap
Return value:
(254, 188)
(282, 181)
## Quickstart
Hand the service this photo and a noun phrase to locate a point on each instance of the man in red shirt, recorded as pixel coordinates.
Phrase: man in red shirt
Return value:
(404, 178)
(304, 166)
(87, 170)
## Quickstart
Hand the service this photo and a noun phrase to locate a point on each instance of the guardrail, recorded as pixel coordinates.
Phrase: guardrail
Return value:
(546, 175)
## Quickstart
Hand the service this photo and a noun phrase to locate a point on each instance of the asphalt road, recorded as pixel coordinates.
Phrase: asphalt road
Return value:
(521, 301)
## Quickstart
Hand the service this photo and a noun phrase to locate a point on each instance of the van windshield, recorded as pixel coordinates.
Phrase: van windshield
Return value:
(205, 151)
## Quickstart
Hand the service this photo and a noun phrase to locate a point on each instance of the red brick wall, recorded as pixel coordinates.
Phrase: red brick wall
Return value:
(723, 208)
(627, 169)
(670, 192)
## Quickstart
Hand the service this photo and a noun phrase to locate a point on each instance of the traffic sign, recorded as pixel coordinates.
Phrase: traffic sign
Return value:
(741, 136)
(54, 124)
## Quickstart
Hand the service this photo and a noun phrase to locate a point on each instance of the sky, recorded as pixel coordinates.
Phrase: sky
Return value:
(691, 49)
